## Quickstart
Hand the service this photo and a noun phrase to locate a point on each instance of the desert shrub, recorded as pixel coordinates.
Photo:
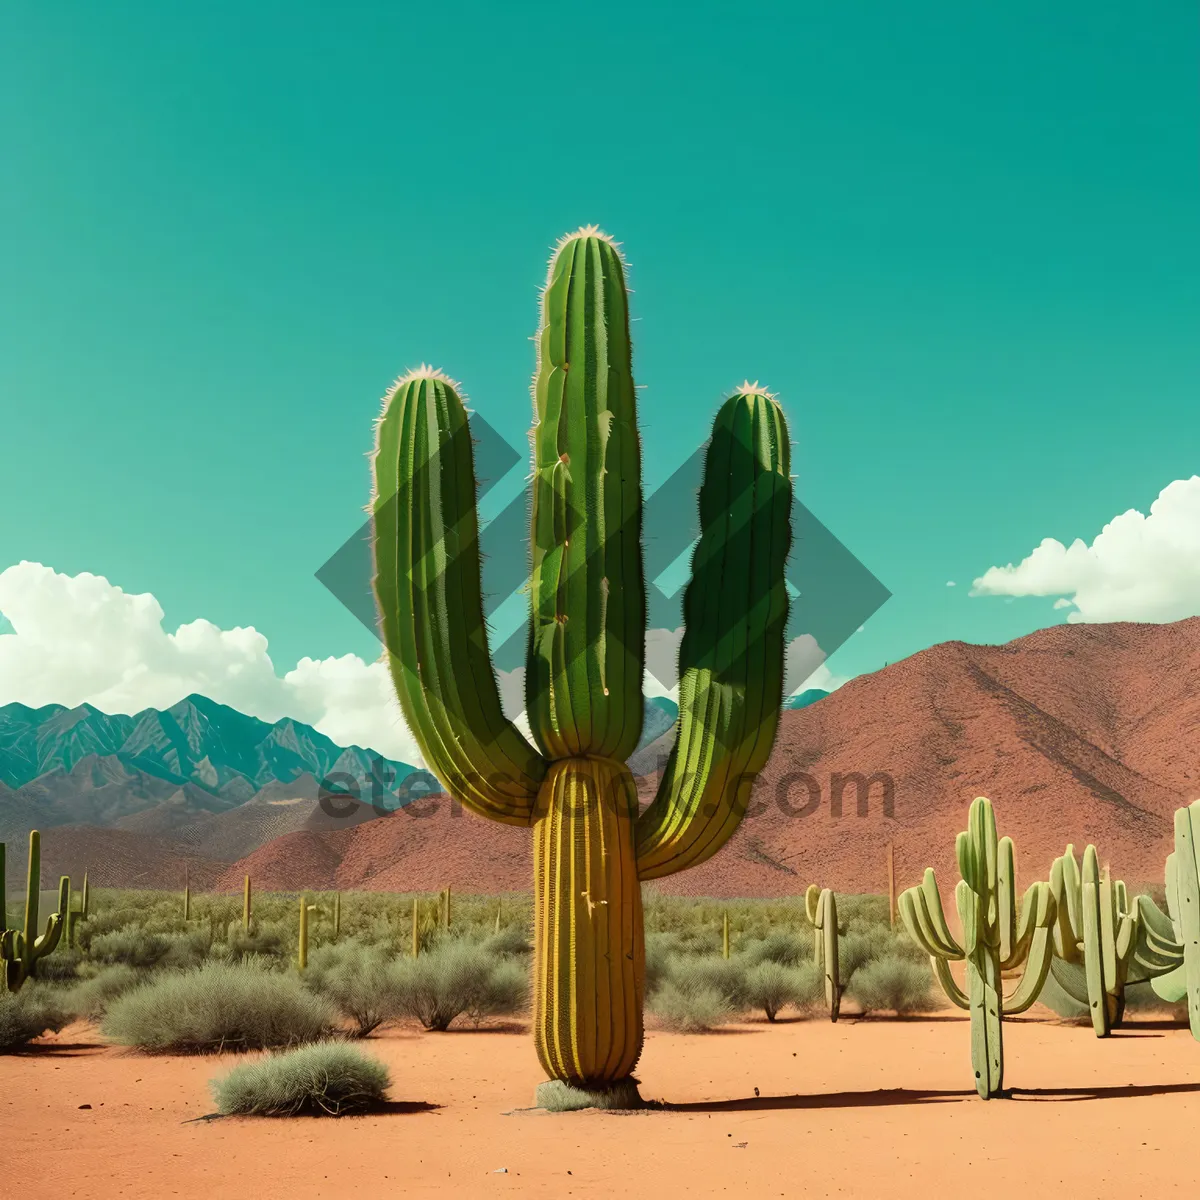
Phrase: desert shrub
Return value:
(327, 1079)
(61, 966)
(92, 996)
(186, 950)
(857, 947)
(218, 1007)
(27, 1014)
(771, 987)
(512, 940)
(259, 947)
(782, 946)
(131, 945)
(689, 1005)
(359, 980)
(724, 976)
(661, 950)
(458, 978)
(893, 984)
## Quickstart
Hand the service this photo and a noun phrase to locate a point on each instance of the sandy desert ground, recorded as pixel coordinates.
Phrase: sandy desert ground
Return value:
(871, 1108)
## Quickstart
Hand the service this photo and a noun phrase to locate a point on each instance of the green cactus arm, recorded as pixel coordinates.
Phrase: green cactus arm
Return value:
(428, 591)
(947, 982)
(1006, 902)
(1155, 949)
(1033, 979)
(1036, 939)
(925, 922)
(966, 901)
(33, 895)
(48, 940)
(1063, 885)
(812, 898)
(1022, 938)
(1126, 938)
(1171, 986)
(731, 656)
(1113, 965)
(583, 680)
(964, 853)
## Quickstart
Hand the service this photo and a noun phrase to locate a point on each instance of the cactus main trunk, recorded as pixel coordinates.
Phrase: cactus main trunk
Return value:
(589, 953)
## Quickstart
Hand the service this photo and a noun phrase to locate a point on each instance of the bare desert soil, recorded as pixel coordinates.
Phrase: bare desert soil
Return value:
(871, 1108)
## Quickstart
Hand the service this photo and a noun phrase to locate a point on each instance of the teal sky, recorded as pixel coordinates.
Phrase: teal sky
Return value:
(962, 246)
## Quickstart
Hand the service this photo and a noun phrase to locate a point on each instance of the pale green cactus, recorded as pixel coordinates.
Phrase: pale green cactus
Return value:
(821, 907)
(1095, 938)
(995, 939)
(1168, 947)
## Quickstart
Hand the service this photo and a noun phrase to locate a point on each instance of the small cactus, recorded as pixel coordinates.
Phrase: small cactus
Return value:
(994, 939)
(821, 906)
(22, 949)
(246, 902)
(76, 915)
(416, 928)
(302, 954)
(725, 934)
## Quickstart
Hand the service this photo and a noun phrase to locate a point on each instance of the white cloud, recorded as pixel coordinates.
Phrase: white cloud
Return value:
(951, 583)
(1138, 568)
(78, 639)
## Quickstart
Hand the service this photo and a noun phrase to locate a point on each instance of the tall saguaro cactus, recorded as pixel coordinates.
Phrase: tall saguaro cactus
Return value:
(994, 939)
(22, 949)
(586, 647)
(821, 906)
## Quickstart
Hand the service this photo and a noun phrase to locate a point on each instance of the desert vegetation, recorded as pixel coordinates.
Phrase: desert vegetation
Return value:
(155, 979)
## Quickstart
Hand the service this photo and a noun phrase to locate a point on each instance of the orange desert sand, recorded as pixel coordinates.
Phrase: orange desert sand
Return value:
(872, 1108)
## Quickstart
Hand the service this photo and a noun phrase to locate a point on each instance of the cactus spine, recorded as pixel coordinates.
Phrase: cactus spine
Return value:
(821, 907)
(22, 949)
(246, 899)
(586, 646)
(1095, 931)
(994, 939)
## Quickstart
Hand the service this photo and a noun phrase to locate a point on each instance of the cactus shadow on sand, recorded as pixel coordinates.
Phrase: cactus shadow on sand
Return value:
(880, 1098)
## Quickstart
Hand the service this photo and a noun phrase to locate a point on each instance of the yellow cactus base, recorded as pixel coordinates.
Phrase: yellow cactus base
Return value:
(589, 949)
